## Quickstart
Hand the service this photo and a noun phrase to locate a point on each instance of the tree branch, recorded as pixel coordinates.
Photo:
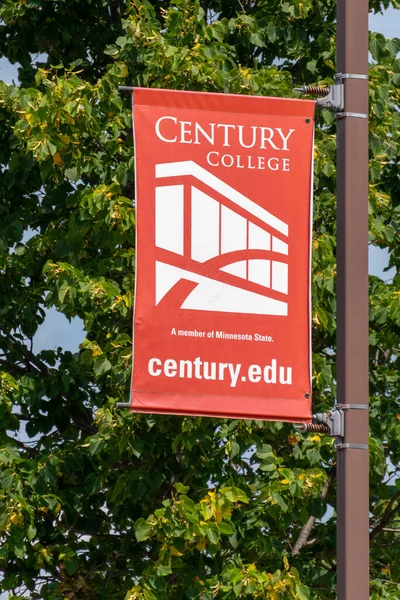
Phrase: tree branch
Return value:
(305, 532)
(32, 451)
(83, 427)
(386, 517)
(34, 364)
(14, 367)
(29, 356)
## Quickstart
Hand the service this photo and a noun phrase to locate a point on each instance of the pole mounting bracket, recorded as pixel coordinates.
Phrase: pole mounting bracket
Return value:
(354, 115)
(330, 97)
(331, 423)
(341, 76)
(352, 406)
(352, 446)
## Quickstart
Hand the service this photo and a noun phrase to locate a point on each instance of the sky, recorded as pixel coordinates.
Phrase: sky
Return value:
(58, 331)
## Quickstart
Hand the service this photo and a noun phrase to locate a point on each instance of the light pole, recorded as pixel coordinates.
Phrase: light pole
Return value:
(352, 302)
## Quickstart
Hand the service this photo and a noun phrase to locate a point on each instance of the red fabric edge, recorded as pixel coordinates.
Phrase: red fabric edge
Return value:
(292, 410)
(224, 102)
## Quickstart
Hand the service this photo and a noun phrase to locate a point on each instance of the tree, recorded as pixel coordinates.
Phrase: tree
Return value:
(99, 503)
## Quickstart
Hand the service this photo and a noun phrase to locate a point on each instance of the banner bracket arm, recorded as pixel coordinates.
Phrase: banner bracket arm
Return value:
(331, 423)
(330, 97)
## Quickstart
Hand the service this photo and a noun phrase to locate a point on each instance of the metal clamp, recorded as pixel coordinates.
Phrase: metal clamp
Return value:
(334, 420)
(330, 97)
(351, 406)
(340, 76)
(342, 115)
(123, 405)
(334, 100)
(352, 446)
(330, 423)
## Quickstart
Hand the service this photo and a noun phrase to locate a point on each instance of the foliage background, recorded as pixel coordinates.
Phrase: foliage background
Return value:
(99, 503)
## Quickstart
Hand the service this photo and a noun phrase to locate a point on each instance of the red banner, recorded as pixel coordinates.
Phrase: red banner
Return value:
(222, 313)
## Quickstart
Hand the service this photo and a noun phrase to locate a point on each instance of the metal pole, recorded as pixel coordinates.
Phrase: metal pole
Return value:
(352, 302)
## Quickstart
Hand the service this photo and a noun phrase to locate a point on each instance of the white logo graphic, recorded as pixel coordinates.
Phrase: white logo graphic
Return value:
(237, 263)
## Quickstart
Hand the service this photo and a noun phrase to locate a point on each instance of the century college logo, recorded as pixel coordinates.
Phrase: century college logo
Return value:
(231, 252)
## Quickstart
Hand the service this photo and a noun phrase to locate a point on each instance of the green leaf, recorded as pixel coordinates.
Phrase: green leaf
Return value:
(63, 291)
(181, 489)
(230, 493)
(188, 505)
(225, 528)
(313, 456)
(280, 501)
(71, 565)
(18, 545)
(111, 50)
(20, 249)
(31, 532)
(257, 40)
(52, 147)
(7, 480)
(238, 588)
(163, 570)
(241, 496)
(101, 365)
(272, 32)
(212, 533)
(312, 66)
(377, 46)
(170, 51)
(92, 483)
(95, 445)
(267, 466)
(393, 46)
(235, 449)
(219, 31)
(121, 41)
(143, 530)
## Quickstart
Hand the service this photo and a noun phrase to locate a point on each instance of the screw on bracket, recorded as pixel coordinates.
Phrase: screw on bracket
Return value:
(330, 97)
(331, 423)
(313, 428)
(314, 90)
